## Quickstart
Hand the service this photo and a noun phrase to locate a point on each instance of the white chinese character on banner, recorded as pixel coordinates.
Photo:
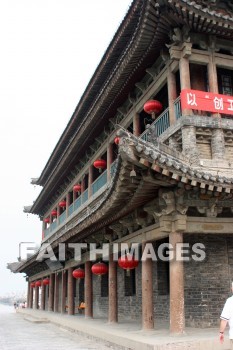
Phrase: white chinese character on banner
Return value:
(218, 103)
(191, 99)
(231, 105)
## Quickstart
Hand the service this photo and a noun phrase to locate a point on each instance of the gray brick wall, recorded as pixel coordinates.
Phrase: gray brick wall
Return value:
(207, 285)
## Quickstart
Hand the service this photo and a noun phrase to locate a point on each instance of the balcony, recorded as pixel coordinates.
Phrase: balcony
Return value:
(162, 123)
(80, 202)
(99, 182)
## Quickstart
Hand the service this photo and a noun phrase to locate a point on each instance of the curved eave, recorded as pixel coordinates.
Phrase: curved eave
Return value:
(157, 166)
(121, 197)
(135, 46)
(174, 166)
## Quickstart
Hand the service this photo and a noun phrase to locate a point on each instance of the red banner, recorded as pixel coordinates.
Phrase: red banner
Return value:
(206, 101)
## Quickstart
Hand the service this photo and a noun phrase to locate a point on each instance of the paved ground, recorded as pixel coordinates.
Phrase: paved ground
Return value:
(16, 333)
(36, 329)
(128, 335)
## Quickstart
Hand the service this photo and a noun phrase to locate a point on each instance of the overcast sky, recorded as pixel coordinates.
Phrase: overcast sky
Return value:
(49, 51)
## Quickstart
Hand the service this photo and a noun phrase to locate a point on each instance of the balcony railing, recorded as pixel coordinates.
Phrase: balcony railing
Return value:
(99, 182)
(161, 124)
(70, 209)
(51, 228)
(46, 232)
(62, 218)
(113, 168)
(53, 225)
(77, 203)
(177, 106)
(85, 196)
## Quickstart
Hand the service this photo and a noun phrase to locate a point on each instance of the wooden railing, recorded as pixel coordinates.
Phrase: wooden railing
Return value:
(161, 124)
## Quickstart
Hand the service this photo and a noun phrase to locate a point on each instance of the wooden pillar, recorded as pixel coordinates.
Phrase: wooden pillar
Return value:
(56, 293)
(109, 160)
(172, 94)
(177, 317)
(64, 290)
(30, 305)
(51, 292)
(136, 125)
(43, 230)
(112, 291)
(58, 212)
(147, 293)
(212, 75)
(213, 79)
(185, 80)
(67, 204)
(90, 180)
(83, 186)
(42, 296)
(28, 295)
(36, 304)
(88, 294)
(70, 291)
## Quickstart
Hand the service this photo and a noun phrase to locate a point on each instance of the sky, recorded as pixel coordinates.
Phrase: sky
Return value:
(49, 51)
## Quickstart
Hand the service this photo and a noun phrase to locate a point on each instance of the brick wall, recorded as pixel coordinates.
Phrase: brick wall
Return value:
(207, 285)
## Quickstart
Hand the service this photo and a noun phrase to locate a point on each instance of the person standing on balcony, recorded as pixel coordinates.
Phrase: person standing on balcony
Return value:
(227, 318)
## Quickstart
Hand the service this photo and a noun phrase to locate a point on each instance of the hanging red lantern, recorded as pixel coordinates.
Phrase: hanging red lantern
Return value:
(128, 262)
(32, 285)
(54, 212)
(47, 220)
(77, 188)
(78, 273)
(153, 107)
(46, 281)
(100, 164)
(99, 269)
(62, 204)
(117, 140)
(38, 284)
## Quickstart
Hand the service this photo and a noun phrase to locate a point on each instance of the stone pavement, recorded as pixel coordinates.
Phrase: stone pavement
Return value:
(128, 335)
(17, 333)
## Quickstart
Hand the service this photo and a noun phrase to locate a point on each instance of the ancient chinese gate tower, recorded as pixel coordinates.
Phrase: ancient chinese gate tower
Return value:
(168, 177)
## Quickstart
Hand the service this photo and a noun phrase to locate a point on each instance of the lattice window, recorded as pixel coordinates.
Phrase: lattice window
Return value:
(226, 84)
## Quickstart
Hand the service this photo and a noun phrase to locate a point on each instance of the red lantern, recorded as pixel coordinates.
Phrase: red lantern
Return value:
(153, 107)
(62, 204)
(33, 285)
(38, 284)
(79, 273)
(47, 220)
(46, 282)
(77, 188)
(127, 262)
(117, 140)
(100, 164)
(99, 269)
(54, 212)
